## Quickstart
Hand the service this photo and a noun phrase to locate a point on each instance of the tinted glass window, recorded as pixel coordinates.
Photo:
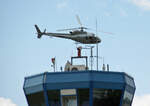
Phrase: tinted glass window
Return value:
(129, 81)
(127, 99)
(83, 97)
(69, 101)
(54, 97)
(106, 97)
(36, 99)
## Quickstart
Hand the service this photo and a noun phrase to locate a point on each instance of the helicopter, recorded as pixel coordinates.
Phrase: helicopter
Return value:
(76, 34)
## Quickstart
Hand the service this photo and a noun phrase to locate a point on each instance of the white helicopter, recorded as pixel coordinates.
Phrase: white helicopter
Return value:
(75, 34)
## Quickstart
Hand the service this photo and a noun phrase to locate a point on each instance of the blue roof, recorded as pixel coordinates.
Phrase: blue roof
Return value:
(79, 79)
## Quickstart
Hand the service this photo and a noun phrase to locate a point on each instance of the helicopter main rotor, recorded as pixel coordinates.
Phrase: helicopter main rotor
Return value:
(81, 28)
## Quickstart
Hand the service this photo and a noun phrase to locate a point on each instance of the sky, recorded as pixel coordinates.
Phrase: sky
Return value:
(22, 54)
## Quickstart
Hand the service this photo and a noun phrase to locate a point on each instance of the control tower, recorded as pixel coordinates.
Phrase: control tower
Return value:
(79, 88)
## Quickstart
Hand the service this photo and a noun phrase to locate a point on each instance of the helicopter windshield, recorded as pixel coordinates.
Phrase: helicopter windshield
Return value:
(91, 34)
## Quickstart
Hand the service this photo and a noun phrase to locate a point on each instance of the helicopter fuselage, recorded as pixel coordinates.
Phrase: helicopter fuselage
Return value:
(82, 37)
(77, 35)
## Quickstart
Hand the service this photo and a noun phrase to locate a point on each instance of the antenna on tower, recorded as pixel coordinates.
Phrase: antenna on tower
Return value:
(96, 46)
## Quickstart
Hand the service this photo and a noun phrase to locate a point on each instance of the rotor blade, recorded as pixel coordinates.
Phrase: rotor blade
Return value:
(67, 29)
(73, 29)
(78, 19)
(106, 32)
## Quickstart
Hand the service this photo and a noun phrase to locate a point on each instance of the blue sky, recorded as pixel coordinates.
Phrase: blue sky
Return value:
(22, 54)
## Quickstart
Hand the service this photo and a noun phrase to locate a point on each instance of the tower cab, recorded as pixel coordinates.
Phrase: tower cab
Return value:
(79, 88)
